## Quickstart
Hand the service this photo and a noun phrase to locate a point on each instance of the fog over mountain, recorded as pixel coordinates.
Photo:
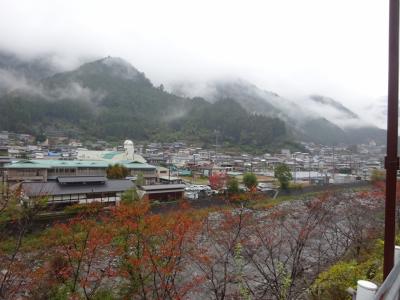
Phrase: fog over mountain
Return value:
(376, 111)
(293, 48)
(110, 99)
(313, 118)
(256, 100)
(23, 73)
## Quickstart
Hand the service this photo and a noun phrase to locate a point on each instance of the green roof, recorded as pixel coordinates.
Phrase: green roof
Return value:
(110, 154)
(53, 163)
(137, 165)
(184, 172)
(234, 173)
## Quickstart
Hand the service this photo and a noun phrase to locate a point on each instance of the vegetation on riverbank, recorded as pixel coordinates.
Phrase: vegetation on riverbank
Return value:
(128, 251)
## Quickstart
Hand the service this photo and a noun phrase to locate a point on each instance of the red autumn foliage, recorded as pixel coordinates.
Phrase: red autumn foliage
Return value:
(154, 251)
(80, 254)
(217, 181)
(231, 253)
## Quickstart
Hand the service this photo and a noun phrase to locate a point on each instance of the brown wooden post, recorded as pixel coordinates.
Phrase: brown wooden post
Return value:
(392, 160)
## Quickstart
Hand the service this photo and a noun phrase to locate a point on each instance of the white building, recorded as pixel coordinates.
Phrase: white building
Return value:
(112, 156)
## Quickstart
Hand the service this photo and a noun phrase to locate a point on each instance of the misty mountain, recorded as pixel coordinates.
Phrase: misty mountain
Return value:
(377, 111)
(329, 102)
(110, 99)
(19, 73)
(246, 94)
(315, 118)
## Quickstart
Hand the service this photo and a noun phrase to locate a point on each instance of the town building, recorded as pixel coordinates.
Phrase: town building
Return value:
(162, 192)
(46, 170)
(89, 163)
(128, 153)
(76, 190)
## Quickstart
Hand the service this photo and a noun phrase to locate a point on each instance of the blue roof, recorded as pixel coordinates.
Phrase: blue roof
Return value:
(50, 153)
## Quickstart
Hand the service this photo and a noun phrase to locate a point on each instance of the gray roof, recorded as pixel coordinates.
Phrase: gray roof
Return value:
(77, 179)
(160, 187)
(34, 189)
(5, 160)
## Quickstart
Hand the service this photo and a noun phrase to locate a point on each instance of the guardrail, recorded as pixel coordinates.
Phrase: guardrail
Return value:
(389, 289)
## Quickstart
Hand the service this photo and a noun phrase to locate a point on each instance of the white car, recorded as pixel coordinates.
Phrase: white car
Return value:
(191, 195)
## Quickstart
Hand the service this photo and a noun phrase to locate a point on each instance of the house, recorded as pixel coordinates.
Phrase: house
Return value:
(4, 159)
(135, 168)
(76, 190)
(163, 172)
(169, 180)
(43, 170)
(162, 192)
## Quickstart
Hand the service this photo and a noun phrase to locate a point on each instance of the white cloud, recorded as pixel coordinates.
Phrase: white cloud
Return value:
(336, 48)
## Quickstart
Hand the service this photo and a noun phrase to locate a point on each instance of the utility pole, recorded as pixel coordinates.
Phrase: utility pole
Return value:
(5, 188)
(295, 165)
(265, 164)
(216, 145)
(169, 169)
(194, 166)
(391, 159)
(319, 168)
(333, 162)
(351, 163)
(3, 185)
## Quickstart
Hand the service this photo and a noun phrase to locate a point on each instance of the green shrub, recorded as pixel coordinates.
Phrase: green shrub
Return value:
(283, 174)
(250, 180)
(332, 283)
(129, 196)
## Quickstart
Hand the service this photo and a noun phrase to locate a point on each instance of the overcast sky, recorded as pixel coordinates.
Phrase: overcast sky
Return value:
(336, 48)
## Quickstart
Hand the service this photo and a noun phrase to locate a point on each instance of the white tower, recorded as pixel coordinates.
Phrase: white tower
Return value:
(129, 150)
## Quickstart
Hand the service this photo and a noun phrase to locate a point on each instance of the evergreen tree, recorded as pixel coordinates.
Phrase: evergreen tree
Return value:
(283, 174)
(233, 185)
(250, 180)
(116, 171)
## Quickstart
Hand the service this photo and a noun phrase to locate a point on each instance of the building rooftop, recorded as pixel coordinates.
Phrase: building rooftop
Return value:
(109, 156)
(170, 178)
(81, 179)
(160, 187)
(49, 164)
(37, 189)
(137, 165)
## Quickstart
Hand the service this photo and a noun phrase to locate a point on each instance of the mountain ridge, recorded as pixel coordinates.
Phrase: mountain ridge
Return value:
(112, 90)
(112, 99)
(316, 118)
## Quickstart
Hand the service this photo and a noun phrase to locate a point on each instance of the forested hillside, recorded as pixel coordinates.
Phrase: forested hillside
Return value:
(110, 99)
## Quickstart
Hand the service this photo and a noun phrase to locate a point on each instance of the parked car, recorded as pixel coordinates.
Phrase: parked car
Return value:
(199, 188)
(243, 188)
(191, 195)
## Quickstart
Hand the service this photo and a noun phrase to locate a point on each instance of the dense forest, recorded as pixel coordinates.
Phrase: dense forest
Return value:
(111, 100)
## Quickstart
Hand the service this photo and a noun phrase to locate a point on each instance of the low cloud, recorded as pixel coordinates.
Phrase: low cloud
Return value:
(75, 91)
(17, 83)
(12, 82)
(376, 112)
(258, 101)
(332, 110)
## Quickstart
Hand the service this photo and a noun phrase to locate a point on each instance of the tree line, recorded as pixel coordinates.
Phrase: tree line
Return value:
(230, 253)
